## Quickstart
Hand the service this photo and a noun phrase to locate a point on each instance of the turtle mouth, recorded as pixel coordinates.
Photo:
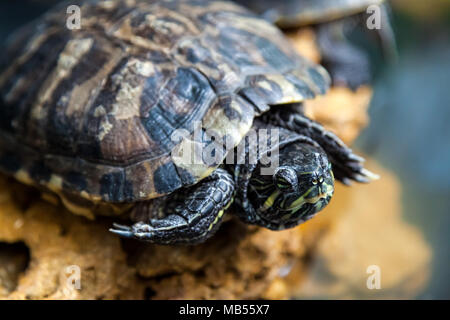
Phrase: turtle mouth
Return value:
(319, 197)
(319, 202)
(324, 197)
(305, 209)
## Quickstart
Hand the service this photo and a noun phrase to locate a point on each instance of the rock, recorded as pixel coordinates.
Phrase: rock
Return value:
(58, 240)
(14, 259)
(245, 263)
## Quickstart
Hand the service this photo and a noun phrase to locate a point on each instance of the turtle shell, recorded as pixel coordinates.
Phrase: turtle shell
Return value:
(104, 112)
(297, 13)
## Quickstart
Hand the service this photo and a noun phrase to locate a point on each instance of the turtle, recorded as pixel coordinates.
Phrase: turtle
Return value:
(334, 20)
(149, 110)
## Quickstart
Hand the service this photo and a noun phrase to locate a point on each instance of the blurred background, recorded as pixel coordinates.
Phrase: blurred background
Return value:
(409, 131)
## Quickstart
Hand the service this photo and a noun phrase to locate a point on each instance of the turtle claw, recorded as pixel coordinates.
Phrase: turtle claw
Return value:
(369, 174)
(139, 230)
(346, 181)
(121, 227)
(361, 179)
(356, 158)
(122, 232)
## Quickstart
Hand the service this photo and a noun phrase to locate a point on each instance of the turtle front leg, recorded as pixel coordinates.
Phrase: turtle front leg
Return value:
(190, 215)
(347, 166)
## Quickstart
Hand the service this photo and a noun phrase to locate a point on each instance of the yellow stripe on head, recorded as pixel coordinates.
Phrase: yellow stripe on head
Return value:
(270, 200)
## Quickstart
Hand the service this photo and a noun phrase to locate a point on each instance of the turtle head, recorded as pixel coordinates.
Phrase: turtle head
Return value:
(300, 186)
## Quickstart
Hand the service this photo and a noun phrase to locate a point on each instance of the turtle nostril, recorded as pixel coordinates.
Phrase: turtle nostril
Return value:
(318, 179)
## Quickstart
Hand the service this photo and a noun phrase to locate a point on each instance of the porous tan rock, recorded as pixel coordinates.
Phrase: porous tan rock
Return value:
(13, 261)
(245, 263)
(59, 241)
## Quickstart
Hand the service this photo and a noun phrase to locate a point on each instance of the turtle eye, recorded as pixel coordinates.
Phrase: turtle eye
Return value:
(285, 179)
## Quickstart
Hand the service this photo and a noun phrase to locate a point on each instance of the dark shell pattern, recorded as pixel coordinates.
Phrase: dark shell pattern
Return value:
(91, 112)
